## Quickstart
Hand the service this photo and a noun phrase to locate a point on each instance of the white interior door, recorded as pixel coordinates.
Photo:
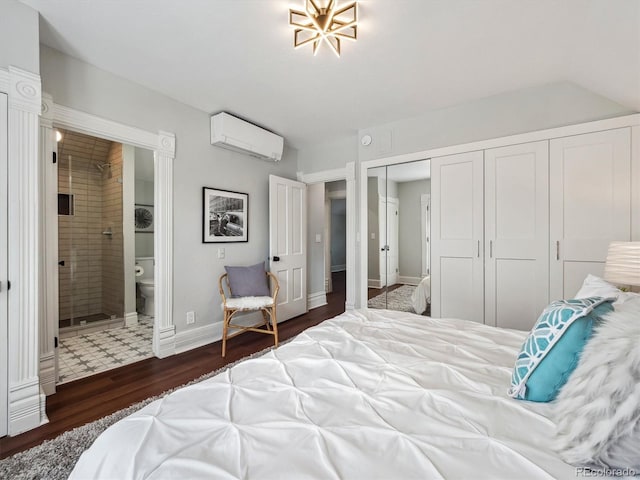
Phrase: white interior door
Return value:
(590, 205)
(457, 280)
(288, 244)
(4, 383)
(516, 234)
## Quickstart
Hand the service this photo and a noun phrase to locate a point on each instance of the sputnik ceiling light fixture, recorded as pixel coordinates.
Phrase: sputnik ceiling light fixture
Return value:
(328, 24)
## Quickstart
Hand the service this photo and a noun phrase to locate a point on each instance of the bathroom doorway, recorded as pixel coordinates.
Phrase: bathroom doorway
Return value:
(99, 327)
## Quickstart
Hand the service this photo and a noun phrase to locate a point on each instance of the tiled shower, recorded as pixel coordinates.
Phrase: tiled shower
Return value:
(90, 243)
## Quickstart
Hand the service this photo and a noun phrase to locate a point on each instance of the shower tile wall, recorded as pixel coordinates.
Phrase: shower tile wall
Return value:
(81, 243)
(113, 247)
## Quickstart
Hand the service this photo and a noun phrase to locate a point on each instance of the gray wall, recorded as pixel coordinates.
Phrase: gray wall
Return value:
(338, 234)
(410, 245)
(315, 226)
(328, 155)
(509, 113)
(196, 268)
(19, 36)
(143, 195)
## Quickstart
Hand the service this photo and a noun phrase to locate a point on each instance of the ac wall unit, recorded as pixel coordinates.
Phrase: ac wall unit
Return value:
(235, 134)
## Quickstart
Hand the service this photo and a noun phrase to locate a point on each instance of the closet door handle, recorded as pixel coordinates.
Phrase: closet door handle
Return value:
(490, 248)
(478, 248)
(557, 249)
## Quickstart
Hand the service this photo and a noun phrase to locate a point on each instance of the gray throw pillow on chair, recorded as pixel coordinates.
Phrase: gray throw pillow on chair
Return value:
(248, 281)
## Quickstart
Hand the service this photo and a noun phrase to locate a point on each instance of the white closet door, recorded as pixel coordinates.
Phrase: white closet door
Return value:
(516, 234)
(590, 204)
(457, 234)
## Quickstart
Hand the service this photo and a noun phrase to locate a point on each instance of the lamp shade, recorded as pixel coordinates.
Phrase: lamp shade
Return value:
(623, 263)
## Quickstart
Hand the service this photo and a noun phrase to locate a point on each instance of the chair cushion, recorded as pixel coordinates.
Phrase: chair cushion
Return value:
(249, 303)
(248, 281)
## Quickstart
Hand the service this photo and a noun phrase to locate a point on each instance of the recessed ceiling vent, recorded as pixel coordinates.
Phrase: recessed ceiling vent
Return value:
(238, 135)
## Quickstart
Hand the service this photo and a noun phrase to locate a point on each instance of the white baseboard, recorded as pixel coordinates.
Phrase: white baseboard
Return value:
(374, 283)
(43, 408)
(338, 268)
(206, 334)
(25, 405)
(315, 300)
(198, 337)
(409, 280)
(130, 319)
(165, 344)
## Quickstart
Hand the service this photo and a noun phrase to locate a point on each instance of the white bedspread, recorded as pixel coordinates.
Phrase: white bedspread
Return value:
(392, 396)
(421, 296)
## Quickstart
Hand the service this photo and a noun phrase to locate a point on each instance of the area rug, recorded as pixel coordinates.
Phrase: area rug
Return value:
(54, 459)
(398, 299)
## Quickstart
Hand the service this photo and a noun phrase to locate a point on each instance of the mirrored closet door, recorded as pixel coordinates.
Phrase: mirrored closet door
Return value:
(398, 219)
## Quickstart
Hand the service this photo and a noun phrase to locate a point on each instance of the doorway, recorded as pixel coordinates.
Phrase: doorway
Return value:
(98, 324)
(336, 236)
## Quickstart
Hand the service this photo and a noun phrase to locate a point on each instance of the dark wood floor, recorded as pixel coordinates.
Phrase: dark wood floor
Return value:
(91, 398)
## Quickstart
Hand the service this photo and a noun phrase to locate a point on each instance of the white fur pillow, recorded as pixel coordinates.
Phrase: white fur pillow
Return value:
(598, 409)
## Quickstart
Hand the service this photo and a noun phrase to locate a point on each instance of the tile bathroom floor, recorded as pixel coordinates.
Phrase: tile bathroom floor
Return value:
(91, 353)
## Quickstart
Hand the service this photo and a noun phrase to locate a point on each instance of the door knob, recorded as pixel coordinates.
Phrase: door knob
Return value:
(276, 259)
(61, 263)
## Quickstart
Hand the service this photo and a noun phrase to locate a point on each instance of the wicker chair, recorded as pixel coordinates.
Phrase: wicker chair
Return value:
(232, 305)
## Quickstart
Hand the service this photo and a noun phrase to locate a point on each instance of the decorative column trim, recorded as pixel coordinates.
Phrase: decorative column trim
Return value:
(49, 265)
(24, 263)
(352, 240)
(164, 332)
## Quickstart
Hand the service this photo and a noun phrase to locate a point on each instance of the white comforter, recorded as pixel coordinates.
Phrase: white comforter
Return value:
(421, 296)
(391, 396)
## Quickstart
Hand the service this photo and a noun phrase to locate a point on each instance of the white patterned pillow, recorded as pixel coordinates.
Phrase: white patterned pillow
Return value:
(598, 409)
(551, 351)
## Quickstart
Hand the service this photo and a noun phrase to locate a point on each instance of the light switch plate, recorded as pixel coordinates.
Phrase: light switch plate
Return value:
(191, 318)
(221, 253)
(318, 238)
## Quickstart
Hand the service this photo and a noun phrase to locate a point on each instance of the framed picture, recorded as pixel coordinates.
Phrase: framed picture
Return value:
(225, 216)
(143, 216)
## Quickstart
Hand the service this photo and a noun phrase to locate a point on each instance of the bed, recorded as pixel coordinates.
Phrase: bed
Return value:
(384, 395)
(421, 296)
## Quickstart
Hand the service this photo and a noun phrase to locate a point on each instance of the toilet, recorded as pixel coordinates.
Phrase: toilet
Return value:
(145, 281)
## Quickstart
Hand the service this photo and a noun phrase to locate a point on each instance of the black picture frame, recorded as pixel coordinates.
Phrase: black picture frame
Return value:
(225, 216)
(144, 218)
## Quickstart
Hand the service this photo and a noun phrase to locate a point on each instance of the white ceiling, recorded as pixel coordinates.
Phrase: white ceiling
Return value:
(412, 56)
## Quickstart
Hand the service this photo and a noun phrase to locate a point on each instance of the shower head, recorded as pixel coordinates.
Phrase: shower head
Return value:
(102, 166)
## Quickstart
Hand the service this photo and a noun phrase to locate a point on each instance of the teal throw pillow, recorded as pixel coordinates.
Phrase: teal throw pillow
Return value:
(552, 350)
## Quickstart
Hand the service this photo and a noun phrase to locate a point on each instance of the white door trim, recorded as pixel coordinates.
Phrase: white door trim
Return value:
(163, 146)
(348, 173)
(23, 170)
(4, 383)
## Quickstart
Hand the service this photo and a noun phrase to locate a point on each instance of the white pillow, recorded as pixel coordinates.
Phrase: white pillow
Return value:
(597, 287)
(598, 409)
